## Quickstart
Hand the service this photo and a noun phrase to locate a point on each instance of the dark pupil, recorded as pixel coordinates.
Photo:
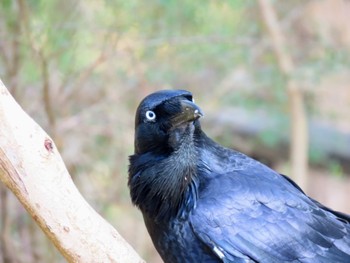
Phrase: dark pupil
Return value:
(150, 115)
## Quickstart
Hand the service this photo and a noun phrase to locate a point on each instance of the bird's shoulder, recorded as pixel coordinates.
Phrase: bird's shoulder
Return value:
(220, 159)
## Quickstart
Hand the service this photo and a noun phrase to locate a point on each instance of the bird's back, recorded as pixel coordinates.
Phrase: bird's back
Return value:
(251, 212)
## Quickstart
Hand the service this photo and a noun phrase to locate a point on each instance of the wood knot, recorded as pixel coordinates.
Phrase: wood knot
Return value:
(48, 145)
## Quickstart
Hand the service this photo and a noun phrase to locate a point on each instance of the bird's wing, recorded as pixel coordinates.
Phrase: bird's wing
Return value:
(260, 217)
(341, 216)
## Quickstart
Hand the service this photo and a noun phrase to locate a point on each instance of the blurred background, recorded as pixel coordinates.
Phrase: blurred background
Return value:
(80, 68)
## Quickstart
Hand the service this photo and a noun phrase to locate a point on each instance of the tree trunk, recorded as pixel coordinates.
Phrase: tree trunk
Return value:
(298, 120)
(32, 168)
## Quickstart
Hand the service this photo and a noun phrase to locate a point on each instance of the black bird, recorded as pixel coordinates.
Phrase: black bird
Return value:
(202, 202)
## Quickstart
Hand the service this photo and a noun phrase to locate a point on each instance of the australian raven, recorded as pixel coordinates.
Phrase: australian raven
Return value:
(202, 202)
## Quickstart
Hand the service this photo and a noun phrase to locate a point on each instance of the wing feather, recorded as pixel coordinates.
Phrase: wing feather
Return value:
(259, 216)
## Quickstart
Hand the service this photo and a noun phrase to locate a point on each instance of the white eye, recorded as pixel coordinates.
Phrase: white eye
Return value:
(150, 115)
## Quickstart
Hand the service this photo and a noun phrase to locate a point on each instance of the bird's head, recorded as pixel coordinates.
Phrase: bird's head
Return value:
(163, 119)
(163, 169)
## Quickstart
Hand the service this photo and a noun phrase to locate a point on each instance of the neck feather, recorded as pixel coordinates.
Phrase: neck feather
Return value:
(163, 186)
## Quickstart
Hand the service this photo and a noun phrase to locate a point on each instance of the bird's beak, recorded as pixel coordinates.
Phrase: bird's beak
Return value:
(189, 112)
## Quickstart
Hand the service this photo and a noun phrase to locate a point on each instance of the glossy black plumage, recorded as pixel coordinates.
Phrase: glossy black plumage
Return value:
(202, 202)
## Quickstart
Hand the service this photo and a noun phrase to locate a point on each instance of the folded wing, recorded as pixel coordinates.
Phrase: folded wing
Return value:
(259, 216)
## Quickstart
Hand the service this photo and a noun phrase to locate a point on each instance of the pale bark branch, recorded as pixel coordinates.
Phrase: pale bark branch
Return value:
(299, 128)
(32, 168)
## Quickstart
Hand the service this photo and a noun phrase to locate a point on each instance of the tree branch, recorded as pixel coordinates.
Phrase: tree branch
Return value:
(32, 168)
